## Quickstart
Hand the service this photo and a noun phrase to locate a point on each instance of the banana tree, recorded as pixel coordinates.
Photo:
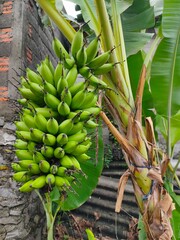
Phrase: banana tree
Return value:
(142, 93)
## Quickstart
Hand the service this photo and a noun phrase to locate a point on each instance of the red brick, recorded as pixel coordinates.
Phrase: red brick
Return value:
(30, 30)
(29, 55)
(3, 93)
(7, 7)
(4, 64)
(6, 35)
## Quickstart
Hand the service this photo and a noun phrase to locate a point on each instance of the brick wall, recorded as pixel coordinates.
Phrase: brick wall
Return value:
(23, 42)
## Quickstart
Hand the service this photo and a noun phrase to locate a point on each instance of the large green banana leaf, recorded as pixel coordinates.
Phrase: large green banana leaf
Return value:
(86, 184)
(137, 18)
(165, 83)
(135, 63)
(162, 126)
(165, 75)
(158, 6)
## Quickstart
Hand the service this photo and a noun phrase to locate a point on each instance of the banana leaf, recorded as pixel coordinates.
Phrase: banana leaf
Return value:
(135, 63)
(165, 84)
(162, 126)
(133, 25)
(165, 75)
(92, 169)
(158, 6)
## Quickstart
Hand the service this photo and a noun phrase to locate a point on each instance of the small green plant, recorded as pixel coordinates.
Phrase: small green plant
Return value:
(108, 156)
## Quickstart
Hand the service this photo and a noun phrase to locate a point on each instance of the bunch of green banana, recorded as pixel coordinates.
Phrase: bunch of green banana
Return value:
(84, 59)
(52, 137)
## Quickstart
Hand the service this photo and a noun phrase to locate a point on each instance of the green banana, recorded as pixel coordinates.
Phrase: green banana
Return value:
(27, 111)
(28, 94)
(25, 83)
(33, 76)
(70, 179)
(71, 76)
(23, 135)
(96, 82)
(63, 109)
(76, 88)
(81, 57)
(36, 135)
(90, 124)
(31, 146)
(51, 101)
(66, 162)
(21, 126)
(47, 151)
(76, 128)
(50, 179)
(25, 163)
(29, 121)
(52, 126)
(77, 42)
(59, 152)
(36, 89)
(75, 163)
(44, 166)
(47, 112)
(46, 73)
(62, 171)
(17, 168)
(58, 73)
(59, 181)
(90, 100)
(83, 157)
(92, 49)
(62, 139)
(49, 139)
(86, 141)
(66, 126)
(75, 116)
(99, 60)
(78, 137)
(34, 168)
(49, 64)
(53, 169)
(85, 71)
(32, 105)
(80, 149)
(85, 115)
(20, 144)
(23, 154)
(21, 176)
(48, 87)
(38, 156)
(66, 96)
(59, 49)
(23, 102)
(62, 83)
(70, 146)
(69, 62)
(26, 187)
(40, 122)
(105, 68)
(93, 110)
(78, 99)
(39, 182)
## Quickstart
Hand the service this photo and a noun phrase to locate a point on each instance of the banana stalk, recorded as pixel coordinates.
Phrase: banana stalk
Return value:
(50, 218)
